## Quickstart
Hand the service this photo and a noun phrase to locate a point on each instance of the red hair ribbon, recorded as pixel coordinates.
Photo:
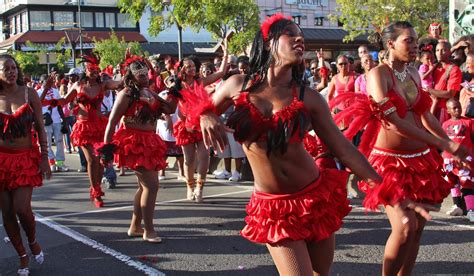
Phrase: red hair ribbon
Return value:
(266, 25)
(428, 48)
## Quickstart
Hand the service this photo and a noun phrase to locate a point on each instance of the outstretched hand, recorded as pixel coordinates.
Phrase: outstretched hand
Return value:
(421, 208)
(214, 131)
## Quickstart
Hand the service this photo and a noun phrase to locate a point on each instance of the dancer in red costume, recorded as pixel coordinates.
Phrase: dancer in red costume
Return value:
(22, 164)
(88, 131)
(188, 134)
(401, 137)
(296, 208)
(136, 144)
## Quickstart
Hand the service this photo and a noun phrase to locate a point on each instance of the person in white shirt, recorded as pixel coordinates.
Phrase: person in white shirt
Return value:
(53, 129)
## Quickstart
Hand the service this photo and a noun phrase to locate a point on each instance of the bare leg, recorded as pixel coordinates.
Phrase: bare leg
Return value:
(401, 239)
(227, 164)
(180, 161)
(203, 160)
(322, 255)
(413, 252)
(189, 152)
(95, 172)
(291, 258)
(149, 182)
(238, 164)
(136, 223)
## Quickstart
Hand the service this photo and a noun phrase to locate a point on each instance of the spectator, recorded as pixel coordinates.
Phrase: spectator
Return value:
(361, 81)
(447, 81)
(243, 64)
(53, 128)
(362, 50)
(467, 93)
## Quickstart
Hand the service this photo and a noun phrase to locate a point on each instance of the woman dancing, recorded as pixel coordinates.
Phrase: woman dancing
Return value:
(295, 208)
(88, 131)
(401, 145)
(188, 134)
(22, 164)
(137, 145)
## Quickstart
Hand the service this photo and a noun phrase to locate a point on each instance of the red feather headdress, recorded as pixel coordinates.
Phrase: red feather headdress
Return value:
(131, 60)
(266, 25)
(92, 61)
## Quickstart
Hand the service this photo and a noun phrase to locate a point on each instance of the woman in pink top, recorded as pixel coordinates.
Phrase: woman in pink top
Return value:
(361, 81)
(343, 82)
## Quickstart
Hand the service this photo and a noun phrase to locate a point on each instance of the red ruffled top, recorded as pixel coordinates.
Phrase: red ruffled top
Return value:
(287, 125)
(18, 124)
(144, 110)
(90, 105)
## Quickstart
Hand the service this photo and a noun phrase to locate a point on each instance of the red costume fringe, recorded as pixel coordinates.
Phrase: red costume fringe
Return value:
(361, 113)
(138, 148)
(19, 168)
(417, 178)
(311, 214)
(185, 137)
(86, 132)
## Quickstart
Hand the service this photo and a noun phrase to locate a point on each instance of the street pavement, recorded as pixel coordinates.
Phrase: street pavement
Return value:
(203, 239)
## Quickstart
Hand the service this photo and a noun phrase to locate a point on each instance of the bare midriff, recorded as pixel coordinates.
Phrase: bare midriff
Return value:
(390, 139)
(131, 122)
(17, 143)
(281, 174)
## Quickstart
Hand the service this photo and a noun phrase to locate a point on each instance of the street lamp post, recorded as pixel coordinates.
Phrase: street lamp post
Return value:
(79, 25)
(72, 34)
(167, 3)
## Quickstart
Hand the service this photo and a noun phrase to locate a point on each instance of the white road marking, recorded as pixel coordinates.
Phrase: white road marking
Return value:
(98, 246)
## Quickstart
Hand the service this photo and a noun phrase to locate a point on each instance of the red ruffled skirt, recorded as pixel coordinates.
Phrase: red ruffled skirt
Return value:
(312, 214)
(19, 168)
(415, 175)
(183, 136)
(86, 132)
(139, 148)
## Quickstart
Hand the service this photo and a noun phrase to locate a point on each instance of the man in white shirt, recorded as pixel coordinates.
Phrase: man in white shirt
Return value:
(53, 129)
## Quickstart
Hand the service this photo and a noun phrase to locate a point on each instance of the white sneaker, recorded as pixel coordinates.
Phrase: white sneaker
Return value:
(455, 211)
(223, 175)
(62, 168)
(235, 176)
(470, 215)
(53, 168)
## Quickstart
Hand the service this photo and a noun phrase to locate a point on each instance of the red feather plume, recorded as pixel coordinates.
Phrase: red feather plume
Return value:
(267, 24)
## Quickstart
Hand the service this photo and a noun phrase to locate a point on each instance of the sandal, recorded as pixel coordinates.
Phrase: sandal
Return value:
(134, 234)
(24, 271)
(152, 240)
(39, 258)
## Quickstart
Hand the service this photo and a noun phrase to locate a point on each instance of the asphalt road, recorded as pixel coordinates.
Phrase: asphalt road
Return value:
(203, 239)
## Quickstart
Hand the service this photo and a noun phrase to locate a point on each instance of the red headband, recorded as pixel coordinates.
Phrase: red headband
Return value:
(265, 28)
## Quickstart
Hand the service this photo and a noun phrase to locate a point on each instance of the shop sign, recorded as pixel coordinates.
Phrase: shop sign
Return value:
(308, 4)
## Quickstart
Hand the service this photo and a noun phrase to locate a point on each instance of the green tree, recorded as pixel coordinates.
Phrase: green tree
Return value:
(241, 17)
(28, 62)
(63, 55)
(366, 16)
(112, 50)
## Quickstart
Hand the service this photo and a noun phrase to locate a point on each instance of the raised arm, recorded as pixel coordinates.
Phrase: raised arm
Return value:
(222, 69)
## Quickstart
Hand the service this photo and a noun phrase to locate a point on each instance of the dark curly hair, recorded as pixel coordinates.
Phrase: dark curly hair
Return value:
(19, 79)
(261, 58)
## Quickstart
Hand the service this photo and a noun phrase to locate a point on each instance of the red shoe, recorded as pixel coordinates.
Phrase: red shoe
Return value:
(98, 202)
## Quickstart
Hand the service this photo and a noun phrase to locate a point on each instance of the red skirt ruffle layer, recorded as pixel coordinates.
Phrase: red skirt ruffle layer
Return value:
(86, 132)
(138, 148)
(19, 168)
(183, 136)
(311, 214)
(418, 178)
